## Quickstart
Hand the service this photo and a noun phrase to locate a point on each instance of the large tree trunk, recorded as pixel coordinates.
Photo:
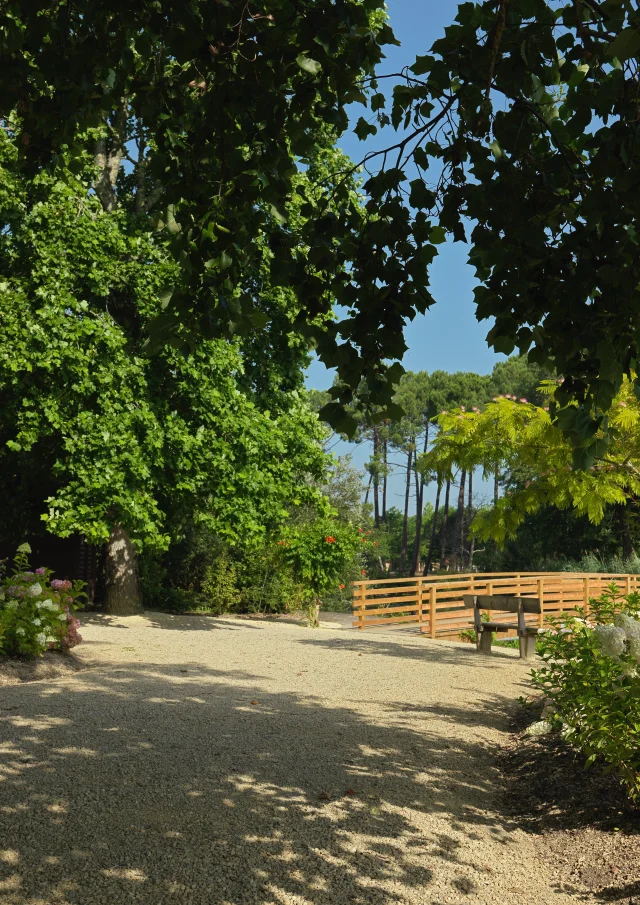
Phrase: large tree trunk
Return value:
(407, 492)
(434, 529)
(459, 527)
(443, 538)
(496, 488)
(122, 584)
(415, 565)
(107, 156)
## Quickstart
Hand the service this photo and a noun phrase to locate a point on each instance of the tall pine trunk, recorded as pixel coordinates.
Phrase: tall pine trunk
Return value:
(405, 521)
(384, 480)
(459, 526)
(472, 542)
(122, 583)
(376, 480)
(627, 542)
(366, 496)
(496, 489)
(434, 529)
(415, 565)
(443, 538)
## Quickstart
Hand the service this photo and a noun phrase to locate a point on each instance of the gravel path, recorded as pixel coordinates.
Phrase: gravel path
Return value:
(227, 762)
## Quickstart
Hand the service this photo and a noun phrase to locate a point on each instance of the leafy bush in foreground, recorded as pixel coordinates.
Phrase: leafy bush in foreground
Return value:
(36, 611)
(591, 674)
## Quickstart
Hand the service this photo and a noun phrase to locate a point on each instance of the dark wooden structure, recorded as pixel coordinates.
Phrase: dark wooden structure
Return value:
(527, 633)
(68, 557)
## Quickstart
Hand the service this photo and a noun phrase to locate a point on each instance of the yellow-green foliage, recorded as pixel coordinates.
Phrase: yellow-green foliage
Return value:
(514, 435)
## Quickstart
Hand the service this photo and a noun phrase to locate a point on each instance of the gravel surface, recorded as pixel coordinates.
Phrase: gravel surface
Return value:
(52, 665)
(586, 829)
(226, 762)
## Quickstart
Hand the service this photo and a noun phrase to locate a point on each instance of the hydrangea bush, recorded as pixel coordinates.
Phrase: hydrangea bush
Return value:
(591, 674)
(37, 611)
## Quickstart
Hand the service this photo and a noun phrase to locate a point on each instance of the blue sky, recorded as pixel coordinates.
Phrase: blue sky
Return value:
(448, 337)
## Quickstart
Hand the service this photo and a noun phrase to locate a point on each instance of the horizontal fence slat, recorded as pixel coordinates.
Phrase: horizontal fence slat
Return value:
(371, 604)
(390, 609)
(387, 621)
(370, 592)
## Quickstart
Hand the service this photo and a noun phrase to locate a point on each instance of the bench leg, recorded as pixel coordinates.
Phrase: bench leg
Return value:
(484, 642)
(527, 646)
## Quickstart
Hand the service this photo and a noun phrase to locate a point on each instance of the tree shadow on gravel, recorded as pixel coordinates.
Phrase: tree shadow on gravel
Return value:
(189, 622)
(189, 785)
(424, 650)
(586, 829)
(495, 711)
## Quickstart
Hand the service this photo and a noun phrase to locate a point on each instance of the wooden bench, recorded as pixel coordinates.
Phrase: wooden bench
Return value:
(527, 634)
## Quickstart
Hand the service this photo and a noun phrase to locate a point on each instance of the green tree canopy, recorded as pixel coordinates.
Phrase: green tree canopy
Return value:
(519, 124)
(517, 376)
(97, 438)
(522, 439)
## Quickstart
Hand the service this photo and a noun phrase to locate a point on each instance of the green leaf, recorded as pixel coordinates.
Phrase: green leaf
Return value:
(625, 45)
(165, 296)
(313, 67)
(337, 418)
(363, 129)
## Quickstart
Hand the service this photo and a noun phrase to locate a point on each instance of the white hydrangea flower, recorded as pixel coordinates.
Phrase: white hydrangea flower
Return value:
(34, 590)
(41, 638)
(611, 639)
(12, 605)
(20, 631)
(47, 605)
(62, 617)
(631, 628)
(37, 621)
(51, 640)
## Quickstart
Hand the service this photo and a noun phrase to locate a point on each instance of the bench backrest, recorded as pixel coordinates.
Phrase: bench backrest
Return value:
(507, 604)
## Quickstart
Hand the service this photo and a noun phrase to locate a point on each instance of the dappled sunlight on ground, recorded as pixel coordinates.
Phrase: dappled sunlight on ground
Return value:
(258, 765)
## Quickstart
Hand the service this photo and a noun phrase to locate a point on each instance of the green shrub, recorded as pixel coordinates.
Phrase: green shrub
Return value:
(318, 553)
(219, 588)
(590, 674)
(310, 560)
(267, 584)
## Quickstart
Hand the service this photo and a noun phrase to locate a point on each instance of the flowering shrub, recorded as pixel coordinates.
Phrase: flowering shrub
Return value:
(36, 612)
(591, 674)
(318, 555)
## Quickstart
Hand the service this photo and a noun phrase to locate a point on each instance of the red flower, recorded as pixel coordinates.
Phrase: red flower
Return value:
(376, 544)
(364, 572)
(342, 587)
(330, 540)
(360, 530)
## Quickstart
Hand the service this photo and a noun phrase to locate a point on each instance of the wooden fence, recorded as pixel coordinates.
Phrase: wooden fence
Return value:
(435, 603)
